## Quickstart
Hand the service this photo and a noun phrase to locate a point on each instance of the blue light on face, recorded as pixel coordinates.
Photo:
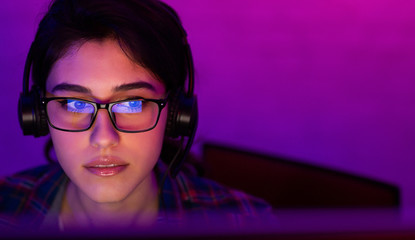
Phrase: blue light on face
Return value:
(135, 106)
(79, 106)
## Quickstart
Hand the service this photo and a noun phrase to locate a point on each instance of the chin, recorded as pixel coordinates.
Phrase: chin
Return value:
(107, 196)
(117, 190)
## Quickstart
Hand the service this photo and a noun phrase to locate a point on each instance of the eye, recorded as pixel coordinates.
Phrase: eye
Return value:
(135, 106)
(73, 105)
(79, 104)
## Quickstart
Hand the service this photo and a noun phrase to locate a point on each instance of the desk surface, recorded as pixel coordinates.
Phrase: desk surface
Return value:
(289, 224)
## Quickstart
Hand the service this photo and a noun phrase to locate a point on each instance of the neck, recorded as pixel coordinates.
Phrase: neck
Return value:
(139, 208)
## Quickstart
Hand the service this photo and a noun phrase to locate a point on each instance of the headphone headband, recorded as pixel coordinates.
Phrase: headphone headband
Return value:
(27, 67)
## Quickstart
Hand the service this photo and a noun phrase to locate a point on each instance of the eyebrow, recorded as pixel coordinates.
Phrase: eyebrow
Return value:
(134, 85)
(82, 89)
(71, 88)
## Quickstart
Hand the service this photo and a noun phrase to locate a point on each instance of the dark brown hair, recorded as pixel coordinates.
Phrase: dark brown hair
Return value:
(148, 31)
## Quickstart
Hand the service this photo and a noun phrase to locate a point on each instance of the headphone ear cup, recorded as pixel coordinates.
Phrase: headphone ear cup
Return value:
(182, 116)
(32, 115)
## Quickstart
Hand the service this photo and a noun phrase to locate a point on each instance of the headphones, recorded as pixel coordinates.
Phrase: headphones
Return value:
(182, 115)
(31, 113)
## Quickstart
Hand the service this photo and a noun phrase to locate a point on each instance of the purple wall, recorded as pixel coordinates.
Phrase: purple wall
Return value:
(327, 82)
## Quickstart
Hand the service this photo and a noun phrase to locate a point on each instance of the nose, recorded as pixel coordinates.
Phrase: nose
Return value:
(104, 135)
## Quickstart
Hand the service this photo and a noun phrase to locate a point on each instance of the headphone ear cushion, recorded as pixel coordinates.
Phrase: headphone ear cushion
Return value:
(32, 115)
(182, 116)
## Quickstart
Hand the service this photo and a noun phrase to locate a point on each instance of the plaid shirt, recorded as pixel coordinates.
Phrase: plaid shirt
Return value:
(27, 197)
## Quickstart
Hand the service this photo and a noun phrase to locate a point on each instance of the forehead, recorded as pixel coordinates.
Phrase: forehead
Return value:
(100, 66)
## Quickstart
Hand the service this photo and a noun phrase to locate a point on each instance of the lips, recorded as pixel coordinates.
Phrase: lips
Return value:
(106, 166)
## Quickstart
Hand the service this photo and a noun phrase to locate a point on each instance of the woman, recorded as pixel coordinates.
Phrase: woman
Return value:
(109, 79)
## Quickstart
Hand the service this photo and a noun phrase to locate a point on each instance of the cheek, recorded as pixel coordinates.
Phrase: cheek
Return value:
(147, 144)
(68, 145)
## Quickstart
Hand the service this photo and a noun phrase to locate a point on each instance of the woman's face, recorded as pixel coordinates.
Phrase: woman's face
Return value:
(104, 164)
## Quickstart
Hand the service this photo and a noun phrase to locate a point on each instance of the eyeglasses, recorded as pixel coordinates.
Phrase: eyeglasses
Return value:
(77, 115)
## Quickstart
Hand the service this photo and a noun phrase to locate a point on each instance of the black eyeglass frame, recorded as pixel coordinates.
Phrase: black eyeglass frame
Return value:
(161, 103)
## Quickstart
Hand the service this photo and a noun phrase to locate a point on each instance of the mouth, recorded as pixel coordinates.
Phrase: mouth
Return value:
(106, 166)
